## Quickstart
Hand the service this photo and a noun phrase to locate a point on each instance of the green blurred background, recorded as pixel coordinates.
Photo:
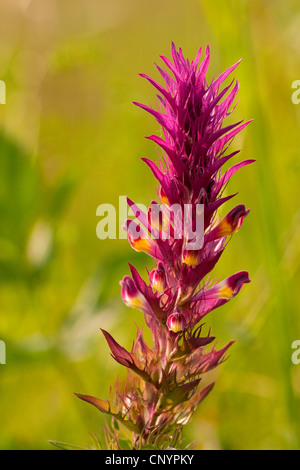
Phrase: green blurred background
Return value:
(71, 139)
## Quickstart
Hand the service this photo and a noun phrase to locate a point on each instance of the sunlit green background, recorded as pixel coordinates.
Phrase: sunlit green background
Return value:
(71, 139)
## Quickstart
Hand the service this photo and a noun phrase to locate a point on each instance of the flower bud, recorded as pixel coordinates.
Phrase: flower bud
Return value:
(130, 294)
(158, 278)
(176, 322)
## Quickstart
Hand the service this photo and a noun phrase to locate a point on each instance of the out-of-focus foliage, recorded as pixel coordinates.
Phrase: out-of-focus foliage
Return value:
(70, 139)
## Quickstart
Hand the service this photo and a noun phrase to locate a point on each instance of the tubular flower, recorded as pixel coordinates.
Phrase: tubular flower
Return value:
(162, 390)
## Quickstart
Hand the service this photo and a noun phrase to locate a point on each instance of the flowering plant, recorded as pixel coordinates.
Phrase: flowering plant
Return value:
(162, 389)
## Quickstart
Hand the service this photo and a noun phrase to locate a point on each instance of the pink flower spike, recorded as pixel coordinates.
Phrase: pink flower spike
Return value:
(162, 388)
